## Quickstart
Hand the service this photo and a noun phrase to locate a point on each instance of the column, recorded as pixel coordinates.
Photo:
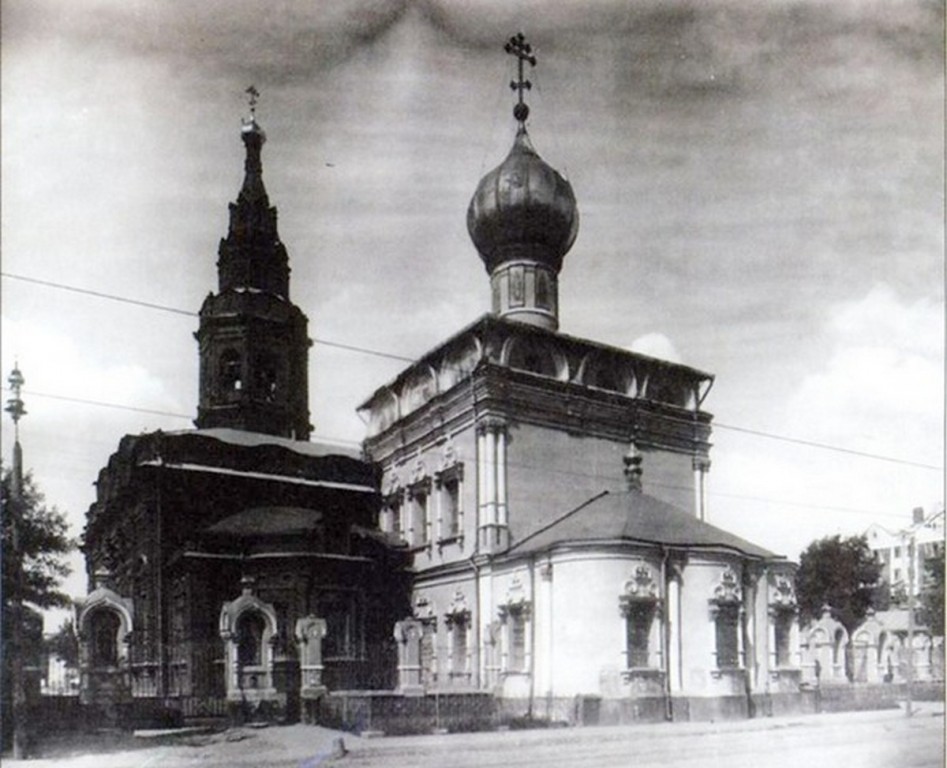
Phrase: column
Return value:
(701, 466)
(481, 477)
(501, 476)
(491, 475)
(545, 575)
(674, 634)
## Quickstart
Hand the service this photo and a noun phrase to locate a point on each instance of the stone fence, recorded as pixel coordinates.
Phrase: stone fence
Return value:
(880, 650)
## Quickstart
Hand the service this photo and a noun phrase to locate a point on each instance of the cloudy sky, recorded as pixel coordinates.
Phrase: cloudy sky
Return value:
(761, 188)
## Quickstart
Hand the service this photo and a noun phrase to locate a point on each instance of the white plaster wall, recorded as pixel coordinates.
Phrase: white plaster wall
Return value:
(588, 628)
(701, 575)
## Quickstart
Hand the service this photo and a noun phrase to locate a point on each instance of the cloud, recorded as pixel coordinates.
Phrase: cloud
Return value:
(885, 372)
(656, 345)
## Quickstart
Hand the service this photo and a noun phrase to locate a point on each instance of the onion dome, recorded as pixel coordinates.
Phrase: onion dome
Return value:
(523, 219)
(523, 209)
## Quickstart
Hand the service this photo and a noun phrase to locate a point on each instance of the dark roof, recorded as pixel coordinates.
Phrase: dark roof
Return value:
(636, 517)
(253, 439)
(267, 521)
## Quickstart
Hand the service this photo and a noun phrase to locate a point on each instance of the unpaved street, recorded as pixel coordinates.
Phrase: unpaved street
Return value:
(852, 740)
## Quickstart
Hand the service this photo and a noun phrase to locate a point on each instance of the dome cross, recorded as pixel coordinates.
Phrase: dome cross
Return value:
(253, 96)
(517, 46)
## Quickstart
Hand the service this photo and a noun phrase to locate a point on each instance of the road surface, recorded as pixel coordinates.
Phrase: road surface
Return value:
(850, 740)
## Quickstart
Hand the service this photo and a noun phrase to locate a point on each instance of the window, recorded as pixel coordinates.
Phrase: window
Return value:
(250, 627)
(727, 635)
(417, 512)
(457, 626)
(449, 484)
(639, 617)
(105, 629)
(543, 290)
(342, 630)
(266, 376)
(230, 371)
(450, 514)
(897, 551)
(396, 526)
(782, 626)
(517, 658)
(390, 521)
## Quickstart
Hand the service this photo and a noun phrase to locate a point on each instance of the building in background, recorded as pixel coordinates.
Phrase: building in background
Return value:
(892, 548)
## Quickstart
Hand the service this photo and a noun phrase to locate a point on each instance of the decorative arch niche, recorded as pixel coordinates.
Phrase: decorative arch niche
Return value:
(248, 627)
(638, 604)
(534, 355)
(726, 609)
(105, 621)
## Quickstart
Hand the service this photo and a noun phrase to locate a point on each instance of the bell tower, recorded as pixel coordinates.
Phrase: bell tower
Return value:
(254, 343)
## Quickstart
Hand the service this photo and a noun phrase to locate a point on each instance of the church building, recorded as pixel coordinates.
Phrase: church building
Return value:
(526, 520)
(551, 492)
(240, 560)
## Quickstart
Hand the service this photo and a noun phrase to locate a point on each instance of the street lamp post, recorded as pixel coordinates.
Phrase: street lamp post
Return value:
(910, 671)
(16, 410)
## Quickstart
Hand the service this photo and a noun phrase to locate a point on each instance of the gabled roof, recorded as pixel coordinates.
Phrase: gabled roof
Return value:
(633, 516)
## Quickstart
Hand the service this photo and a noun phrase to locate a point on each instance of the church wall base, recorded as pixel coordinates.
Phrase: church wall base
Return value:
(709, 708)
(782, 704)
(393, 713)
(874, 696)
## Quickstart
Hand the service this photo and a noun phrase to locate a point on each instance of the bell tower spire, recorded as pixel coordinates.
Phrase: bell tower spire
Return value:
(254, 344)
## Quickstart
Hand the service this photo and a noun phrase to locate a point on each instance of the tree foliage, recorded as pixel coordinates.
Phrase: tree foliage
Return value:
(932, 594)
(64, 644)
(840, 573)
(44, 541)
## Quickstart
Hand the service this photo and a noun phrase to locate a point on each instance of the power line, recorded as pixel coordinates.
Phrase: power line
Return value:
(521, 465)
(825, 446)
(99, 294)
(187, 312)
(149, 411)
(403, 358)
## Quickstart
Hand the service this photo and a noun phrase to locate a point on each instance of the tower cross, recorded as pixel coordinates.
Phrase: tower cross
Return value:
(517, 46)
(253, 96)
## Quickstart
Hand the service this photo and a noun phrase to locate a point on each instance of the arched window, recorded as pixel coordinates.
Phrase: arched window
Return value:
(457, 628)
(726, 605)
(250, 627)
(266, 376)
(782, 632)
(105, 628)
(230, 371)
(727, 635)
(638, 605)
(639, 618)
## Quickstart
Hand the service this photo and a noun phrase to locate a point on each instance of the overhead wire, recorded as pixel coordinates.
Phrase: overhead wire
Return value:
(404, 358)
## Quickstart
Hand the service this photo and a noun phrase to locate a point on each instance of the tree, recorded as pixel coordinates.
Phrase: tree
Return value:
(841, 573)
(64, 644)
(932, 594)
(44, 541)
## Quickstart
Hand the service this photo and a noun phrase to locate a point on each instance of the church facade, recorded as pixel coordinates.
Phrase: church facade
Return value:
(526, 519)
(551, 492)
